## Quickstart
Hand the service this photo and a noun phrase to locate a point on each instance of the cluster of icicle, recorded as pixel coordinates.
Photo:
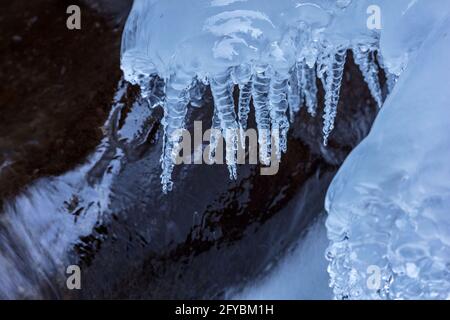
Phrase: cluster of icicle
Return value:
(276, 99)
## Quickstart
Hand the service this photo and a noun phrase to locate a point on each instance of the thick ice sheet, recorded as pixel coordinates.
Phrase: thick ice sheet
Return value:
(389, 204)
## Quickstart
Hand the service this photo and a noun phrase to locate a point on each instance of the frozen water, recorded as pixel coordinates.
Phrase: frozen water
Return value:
(389, 204)
(40, 226)
(270, 50)
(387, 207)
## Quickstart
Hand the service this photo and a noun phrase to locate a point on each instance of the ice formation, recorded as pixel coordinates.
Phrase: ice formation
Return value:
(272, 51)
(387, 206)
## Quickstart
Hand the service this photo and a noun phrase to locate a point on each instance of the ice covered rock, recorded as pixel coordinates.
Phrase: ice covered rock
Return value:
(389, 205)
(270, 50)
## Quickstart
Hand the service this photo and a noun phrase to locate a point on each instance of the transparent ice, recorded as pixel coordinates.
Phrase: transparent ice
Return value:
(270, 50)
(387, 206)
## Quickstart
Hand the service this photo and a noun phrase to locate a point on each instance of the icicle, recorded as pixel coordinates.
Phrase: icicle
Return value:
(330, 71)
(294, 94)
(391, 81)
(365, 59)
(245, 95)
(308, 86)
(242, 76)
(278, 106)
(175, 109)
(215, 135)
(260, 93)
(221, 87)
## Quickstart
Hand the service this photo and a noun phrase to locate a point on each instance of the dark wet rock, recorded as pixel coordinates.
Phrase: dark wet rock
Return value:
(211, 233)
(56, 90)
